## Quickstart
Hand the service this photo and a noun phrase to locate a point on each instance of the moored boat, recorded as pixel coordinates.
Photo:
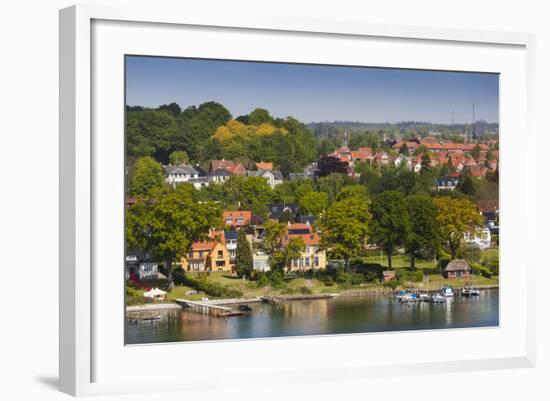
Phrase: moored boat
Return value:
(438, 298)
(447, 291)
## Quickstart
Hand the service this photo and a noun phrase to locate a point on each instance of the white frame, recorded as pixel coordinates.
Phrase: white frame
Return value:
(76, 169)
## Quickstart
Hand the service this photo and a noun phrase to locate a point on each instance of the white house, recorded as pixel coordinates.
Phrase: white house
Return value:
(481, 240)
(178, 174)
(401, 159)
(260, 261)
(273, 178)
(219, 176)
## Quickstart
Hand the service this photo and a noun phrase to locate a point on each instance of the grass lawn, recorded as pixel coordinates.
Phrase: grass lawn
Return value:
(399, 261)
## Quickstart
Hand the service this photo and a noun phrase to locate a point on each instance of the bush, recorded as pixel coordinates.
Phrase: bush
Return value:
(201, 283)
(492, 264)
(328, 281)
(410, 275)
(276, 279)
(357, 279)
(263, 281)
(305, 290)
(481, 270)
(342, 277)
(393, 284)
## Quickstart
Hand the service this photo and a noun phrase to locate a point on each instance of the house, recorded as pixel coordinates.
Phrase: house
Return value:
(178, 174)
(277, 209)
(478, 171)
(207, 256)
(447, 183)
(312, 257)
(229, 166)
(264, 166)
(402, 159)
(457, 268)
(231, 244)
(481, 239)
(237, 218)
(308, 219)
(219, 176)
(260, 261)
(273, 178)
(381, 158)
(200, 182)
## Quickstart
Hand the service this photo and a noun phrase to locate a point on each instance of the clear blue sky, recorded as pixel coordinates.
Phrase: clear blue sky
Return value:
(313, 92)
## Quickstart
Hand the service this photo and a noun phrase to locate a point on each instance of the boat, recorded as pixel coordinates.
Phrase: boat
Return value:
(469, 291)
(408, 297)
(447, 291)
(423, 296)
(438, 299)
(245, 308)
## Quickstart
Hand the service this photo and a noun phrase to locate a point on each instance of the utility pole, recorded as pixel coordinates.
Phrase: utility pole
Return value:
(473, 118)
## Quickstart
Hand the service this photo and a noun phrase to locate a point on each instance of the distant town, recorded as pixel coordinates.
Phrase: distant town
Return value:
(239, 208)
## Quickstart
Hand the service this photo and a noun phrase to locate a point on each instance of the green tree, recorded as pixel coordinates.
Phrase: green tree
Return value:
(147, 174)
(149, 133)
(344, 228)
(456, 217)
(353, 191)
(259, 116)
(313, 203)
(426, 163)
(172, 108)
(166, 223)
(466, 183)
(293, 250)
(390, 223)
(243, 259)
(404, 149)
(178, 157)
(424, 228)
(476, 152)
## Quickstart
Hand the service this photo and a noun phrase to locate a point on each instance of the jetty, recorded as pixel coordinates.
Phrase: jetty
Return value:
(208, 307)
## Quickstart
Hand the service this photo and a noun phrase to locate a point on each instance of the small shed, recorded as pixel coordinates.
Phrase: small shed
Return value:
(389, 275)
(155, 293)
(457, 268)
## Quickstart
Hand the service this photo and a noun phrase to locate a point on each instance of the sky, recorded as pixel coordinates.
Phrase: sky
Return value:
(314, 93)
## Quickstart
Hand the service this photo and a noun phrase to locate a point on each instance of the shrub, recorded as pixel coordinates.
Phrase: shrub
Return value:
(410, 275)
(392, 284)
(276, 278)
(342, 277)
(357, 279)
(481, 270)
(305, 290)
(263, 281)
(328, 281)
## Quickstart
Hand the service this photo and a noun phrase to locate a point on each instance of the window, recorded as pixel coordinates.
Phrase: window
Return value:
(220, 254)
(307, 261)
(316, 261)
(220, 263)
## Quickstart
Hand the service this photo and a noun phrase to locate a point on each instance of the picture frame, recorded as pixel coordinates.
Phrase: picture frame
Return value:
(85, 160)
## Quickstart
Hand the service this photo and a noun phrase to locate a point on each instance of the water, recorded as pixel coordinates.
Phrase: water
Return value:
(325, 316)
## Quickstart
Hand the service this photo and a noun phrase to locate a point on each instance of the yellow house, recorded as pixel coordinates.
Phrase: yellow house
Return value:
(312, 256)
(208, 256)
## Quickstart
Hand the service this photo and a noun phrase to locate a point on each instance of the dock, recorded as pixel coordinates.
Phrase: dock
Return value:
(206, 307)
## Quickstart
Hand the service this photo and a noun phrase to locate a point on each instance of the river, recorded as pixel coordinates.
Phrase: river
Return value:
(338, 315)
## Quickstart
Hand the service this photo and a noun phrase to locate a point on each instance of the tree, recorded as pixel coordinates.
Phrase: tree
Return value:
(466, 183)
(167, 222)
(456, 217)
(259, 116)
(424, 229)
(243, 259)
(286, 217)
(476, 152)
(404, 149)
(272, 244)
(293, 250)
(313, 203)
(390, 222)
(426, 163)
(172, 108)
(178, 157)
(353, 191)
(344, 227)
(421, 150)
(147, 174)
(330, 165)
(149, 133)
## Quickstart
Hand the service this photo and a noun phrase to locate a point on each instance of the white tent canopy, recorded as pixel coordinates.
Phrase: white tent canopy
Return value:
(155, 293)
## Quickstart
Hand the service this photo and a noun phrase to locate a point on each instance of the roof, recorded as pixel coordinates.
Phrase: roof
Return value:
(182, 169)
(221, 164)
(264, 166)
(232, 234)
(458, 265)
(276, 209)
(220, 173)
(261, 173)
(246, 215)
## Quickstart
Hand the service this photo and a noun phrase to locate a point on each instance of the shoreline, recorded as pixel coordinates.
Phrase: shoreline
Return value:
(280, 298)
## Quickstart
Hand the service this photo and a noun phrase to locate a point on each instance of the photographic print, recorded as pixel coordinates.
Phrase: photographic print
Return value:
(271, 199)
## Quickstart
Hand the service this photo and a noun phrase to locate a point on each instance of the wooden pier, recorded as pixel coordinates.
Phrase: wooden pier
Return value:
(207, 307)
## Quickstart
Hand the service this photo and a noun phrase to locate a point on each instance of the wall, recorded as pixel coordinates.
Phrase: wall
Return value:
(28, 209)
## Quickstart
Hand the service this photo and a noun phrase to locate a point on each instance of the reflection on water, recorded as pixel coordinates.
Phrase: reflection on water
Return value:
(325, 316)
